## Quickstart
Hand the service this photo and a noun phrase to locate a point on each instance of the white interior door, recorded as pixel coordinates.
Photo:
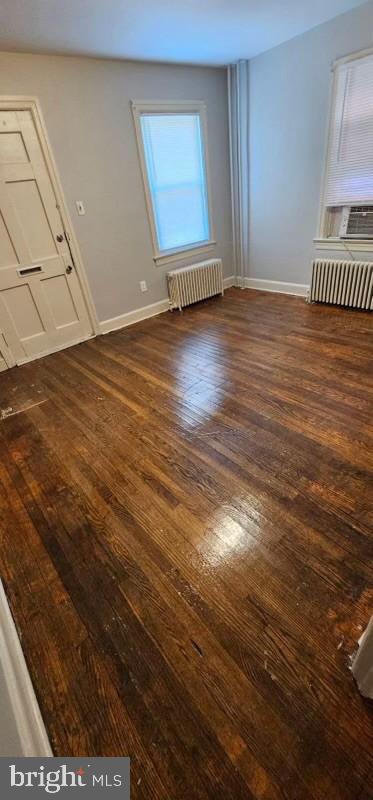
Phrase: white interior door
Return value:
(42, 307)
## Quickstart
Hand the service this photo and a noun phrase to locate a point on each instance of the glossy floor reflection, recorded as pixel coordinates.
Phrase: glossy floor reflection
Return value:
(187, 547)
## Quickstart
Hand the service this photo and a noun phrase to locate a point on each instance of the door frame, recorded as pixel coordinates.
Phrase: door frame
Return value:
(32, 104)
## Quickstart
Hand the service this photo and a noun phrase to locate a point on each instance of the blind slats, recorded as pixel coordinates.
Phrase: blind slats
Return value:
(174, 157)
(350, 169)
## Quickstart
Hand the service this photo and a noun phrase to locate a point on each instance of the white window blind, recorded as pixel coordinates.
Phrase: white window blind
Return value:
(349, 179)
(175, 164)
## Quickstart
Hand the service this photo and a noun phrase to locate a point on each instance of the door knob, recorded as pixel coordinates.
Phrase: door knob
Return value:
(59, 237)
(69, 269)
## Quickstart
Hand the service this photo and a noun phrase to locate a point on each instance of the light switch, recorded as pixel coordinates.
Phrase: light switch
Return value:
(80, 207)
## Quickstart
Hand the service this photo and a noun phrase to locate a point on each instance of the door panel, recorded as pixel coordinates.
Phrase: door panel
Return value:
(22, 308)
(60, 301)
(8, 256)
(6, 357)
(32, 218)
(12, 148)
(42, 307)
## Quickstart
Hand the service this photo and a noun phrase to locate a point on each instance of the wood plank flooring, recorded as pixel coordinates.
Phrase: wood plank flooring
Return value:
(186, 546)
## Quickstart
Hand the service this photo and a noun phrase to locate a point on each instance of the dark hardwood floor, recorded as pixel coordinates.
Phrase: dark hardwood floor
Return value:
(186, 547)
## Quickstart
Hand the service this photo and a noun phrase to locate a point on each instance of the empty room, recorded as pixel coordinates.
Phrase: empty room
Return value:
(186, 398)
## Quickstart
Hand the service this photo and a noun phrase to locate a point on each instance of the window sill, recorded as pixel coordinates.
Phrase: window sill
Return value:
(357, 245)
(180, 255)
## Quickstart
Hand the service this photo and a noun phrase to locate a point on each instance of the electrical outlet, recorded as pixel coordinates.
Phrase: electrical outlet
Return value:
(80, 207)
(143, 286)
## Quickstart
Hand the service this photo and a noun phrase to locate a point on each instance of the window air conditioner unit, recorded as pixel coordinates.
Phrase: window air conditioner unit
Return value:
(356, 222)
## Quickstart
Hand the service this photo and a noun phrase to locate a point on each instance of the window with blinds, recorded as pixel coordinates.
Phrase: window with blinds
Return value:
(175, 177)
(349, 174)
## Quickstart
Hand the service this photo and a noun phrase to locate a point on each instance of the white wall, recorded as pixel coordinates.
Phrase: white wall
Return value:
(289, 100)
(86, 105)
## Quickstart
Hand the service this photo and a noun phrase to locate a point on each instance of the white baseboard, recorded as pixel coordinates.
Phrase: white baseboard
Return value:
(145, 312)
(281, 287)
(24, 705)
(130, 317)
(139, 314)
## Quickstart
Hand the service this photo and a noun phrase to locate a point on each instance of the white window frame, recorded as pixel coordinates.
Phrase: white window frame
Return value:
(139, 107)
(322, 240)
